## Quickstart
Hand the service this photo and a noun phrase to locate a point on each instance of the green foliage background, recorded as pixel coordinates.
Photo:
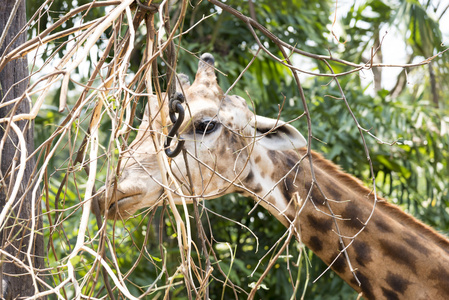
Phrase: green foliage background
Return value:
(412, 172)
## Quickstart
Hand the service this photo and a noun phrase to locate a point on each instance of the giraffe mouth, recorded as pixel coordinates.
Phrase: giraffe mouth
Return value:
(123, 205)
(126, 204)
(123, 200)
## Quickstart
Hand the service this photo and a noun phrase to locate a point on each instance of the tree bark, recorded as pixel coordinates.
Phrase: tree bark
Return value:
(378, 59)
(15, 231)
(433, 86)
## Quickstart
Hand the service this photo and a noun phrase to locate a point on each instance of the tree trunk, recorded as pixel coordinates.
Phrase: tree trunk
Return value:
(433, 86)
(17, 281)
(378, 59)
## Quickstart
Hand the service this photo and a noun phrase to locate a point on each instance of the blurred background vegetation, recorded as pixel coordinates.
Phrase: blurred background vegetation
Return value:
(409, 107)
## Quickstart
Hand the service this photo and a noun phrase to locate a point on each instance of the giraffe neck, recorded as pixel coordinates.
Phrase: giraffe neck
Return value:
(393, 257)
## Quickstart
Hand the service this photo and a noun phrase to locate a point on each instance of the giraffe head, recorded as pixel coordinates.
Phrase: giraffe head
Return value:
(221, 135)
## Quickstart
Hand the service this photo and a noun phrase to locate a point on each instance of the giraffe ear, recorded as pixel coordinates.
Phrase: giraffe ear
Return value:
(276, 134)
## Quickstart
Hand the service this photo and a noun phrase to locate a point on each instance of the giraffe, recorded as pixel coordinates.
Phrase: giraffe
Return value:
(230, 149)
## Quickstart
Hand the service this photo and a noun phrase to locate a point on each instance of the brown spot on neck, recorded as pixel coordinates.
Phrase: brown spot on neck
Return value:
(365, 285)
(315, 244)
(398, 253)
(397, 282)
(323, 225)
(389, 294)
(440, 279)
(363, 252)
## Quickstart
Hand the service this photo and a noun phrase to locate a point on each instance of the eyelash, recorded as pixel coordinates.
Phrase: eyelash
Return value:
(206, 127)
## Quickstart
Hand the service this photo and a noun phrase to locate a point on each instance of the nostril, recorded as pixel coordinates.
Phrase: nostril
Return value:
(112, 205)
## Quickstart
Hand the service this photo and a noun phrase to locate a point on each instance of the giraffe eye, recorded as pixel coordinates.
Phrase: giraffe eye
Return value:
(206, 127)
